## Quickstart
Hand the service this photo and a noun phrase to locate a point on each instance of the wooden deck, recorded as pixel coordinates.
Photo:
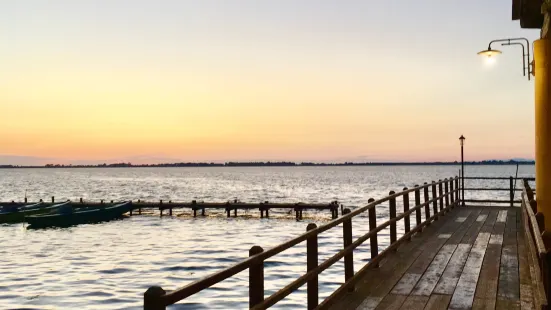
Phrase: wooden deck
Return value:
(471, 258)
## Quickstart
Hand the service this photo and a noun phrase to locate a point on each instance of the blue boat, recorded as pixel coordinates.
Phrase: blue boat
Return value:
(16, 213)
(70, 215)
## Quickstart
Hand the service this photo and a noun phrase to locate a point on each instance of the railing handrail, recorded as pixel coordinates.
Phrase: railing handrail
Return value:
(512, 190)
(270, 301)
(499, 178)
(535, 230)
(197, 286)
(537, 253)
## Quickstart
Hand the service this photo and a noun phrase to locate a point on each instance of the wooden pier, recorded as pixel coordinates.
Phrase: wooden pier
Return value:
(458, 257)
(167, 207)
(474, 258)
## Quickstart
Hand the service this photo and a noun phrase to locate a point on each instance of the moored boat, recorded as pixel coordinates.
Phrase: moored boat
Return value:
(17, 213)
(71, 215)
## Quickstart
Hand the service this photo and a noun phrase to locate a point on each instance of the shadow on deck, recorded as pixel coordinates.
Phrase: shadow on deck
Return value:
(473, 258)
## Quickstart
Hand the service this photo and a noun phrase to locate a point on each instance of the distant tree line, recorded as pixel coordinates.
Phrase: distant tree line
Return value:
(280, 164)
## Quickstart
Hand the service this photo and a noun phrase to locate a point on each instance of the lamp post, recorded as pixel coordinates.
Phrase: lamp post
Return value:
(462, 142)
(526, 61)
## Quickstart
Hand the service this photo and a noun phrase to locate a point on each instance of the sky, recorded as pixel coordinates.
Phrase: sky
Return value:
(217, 80)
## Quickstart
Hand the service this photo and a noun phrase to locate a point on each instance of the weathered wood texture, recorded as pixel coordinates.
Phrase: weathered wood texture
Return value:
(472, 258)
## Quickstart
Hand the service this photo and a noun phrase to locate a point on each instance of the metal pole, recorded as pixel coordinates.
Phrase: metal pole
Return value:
(462, 177)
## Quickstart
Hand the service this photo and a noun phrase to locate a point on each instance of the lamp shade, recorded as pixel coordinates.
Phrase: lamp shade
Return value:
(489, 53)
(461, 140)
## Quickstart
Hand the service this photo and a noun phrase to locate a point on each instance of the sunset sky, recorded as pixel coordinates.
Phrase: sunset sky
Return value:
(208, 80)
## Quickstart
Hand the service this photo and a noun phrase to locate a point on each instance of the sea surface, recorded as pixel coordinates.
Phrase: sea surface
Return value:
(110, 265)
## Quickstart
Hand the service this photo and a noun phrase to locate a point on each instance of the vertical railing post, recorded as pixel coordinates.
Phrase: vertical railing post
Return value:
(452, 201)
(311, 264)
(511, 190)
(435, 200)
(417, 203)
(152, 298)
(392, 215)
(256, 279)
(372, 226)
(463, 188)
(447, 193)
(458, 194)
(441, 195)
(427, 205)
(347, 240)
(407, 227)
(546, 273)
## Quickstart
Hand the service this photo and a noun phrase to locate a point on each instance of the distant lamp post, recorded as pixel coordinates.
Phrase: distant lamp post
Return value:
(526, 69)
(462, 143)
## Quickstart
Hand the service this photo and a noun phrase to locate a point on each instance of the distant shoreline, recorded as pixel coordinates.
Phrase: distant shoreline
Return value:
(277, 164)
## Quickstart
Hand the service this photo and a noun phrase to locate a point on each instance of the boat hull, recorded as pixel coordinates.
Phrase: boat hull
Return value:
(19, 215)
(87, 216)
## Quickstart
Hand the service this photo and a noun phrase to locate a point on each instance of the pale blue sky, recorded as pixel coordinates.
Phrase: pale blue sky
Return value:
(369, 79)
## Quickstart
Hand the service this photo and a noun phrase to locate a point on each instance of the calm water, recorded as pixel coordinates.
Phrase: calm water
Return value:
(110, 265)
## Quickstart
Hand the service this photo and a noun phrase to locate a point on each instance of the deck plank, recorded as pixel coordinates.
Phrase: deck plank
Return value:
(502, 216)
(420, 260)
(463, 295)
(448, 281)
(489, 274)
(406, 284)
(526, 297)
(438, 302)
(509, 285)
(415, 302)
(369, 293)
(507, 304)
(472, 233)
(391, 302)
(430, 278)
(484, 304)
(471, 258)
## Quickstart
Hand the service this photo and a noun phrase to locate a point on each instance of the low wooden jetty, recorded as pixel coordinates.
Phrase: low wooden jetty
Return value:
(456, 256)
(263, 208)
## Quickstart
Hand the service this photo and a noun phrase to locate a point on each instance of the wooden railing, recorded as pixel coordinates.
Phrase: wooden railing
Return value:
(538, 255)
(511, 188)
(444, 197)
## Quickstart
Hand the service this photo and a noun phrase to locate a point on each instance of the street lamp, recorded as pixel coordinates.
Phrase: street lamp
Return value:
(462, 142)
(526, 69)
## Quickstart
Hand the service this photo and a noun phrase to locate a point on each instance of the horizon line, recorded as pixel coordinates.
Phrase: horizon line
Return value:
(276, 163)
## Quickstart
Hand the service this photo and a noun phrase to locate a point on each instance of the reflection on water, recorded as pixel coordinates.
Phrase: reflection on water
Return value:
(110, 265)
